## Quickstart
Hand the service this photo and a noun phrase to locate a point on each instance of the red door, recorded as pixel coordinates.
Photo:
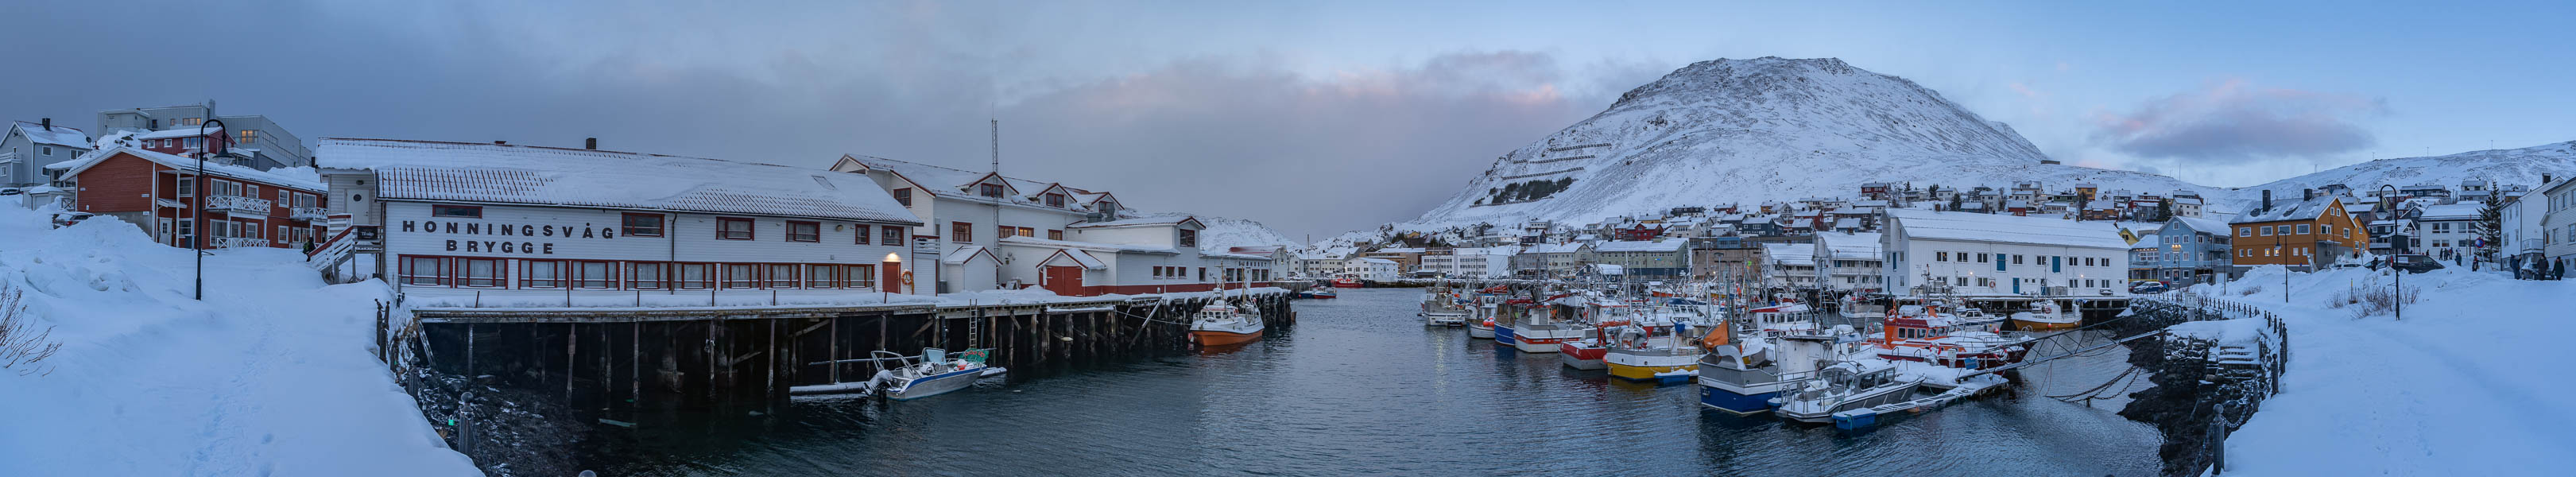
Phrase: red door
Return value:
(1065, 281)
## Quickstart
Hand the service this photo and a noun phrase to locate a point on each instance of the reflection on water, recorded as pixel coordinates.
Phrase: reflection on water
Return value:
(1359, 386)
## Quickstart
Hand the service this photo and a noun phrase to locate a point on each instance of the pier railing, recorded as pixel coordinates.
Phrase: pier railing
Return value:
(2231, 375)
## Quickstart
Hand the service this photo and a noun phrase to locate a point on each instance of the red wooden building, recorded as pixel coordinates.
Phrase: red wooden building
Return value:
(244, 207)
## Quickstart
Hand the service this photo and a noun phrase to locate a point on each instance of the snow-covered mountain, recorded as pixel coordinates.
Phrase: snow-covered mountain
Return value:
(1223, 232)
(1746, 131)
(2502, 166)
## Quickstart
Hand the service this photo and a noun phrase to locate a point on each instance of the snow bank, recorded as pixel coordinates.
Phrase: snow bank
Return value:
(2463, 386)
(272, 375)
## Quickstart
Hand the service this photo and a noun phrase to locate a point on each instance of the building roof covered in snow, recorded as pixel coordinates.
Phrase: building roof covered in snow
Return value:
(178, 132)
(1641, 246)
(2459, 211)
(282, 177)
(2203, 225)
(1961, 226)
(2291, 209)
(59, 136)
(1792, 254)
(1855, 245)
(516, 174)
(955, 182)
(1094, 246)
(2148, 241)
(1139, 222)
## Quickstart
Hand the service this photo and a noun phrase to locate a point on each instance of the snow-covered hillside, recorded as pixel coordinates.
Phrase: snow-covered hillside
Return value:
(1744, 131)
(2504, 166)
(271, 374)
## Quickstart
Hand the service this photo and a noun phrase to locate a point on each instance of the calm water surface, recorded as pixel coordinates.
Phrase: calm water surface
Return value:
(1360, 387)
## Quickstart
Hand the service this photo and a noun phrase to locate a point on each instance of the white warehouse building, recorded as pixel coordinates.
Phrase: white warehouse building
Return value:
(2003, 255)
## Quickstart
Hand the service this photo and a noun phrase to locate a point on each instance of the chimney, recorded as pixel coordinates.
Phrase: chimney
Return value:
(590, 143)
(49, 126)
(2307, 194)
(2267, 200)
(2544, 179)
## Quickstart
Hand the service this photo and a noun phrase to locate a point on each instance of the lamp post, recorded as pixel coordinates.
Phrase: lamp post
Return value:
(198, 215)
(2398, 302)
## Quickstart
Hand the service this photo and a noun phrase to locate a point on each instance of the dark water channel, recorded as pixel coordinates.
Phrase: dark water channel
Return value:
(1359, 387)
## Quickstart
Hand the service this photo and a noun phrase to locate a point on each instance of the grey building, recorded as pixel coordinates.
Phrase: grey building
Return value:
(29, 147)
(267, 144)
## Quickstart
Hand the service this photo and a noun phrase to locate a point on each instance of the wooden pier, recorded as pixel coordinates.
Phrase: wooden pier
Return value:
(629, 359)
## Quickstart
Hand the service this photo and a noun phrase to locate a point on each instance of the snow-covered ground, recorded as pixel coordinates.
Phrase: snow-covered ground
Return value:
(273, 374)
(2471, 383)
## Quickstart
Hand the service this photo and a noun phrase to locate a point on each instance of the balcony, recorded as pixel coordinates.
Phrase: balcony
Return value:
(308, 213)
(237, 204)
(239, 242)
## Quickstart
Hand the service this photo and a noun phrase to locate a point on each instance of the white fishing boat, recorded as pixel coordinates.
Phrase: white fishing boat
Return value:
(1786, 317)
(1441, 306)
(1843, 386)
(1737, 373)
(1546, 330)
(1925, 334)
(1480, 320)
(930, 374)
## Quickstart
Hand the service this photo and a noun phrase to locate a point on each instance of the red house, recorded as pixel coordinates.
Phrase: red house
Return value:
(180, 141)
(244, 207)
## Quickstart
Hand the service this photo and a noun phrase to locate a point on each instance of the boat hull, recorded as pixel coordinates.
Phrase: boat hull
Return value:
(1222, 338)
(1480, 331)
(1872, 397)
(934, 385)
(1582, 357)
(1736, 403)
(1444, 319)
(1653, 374)
(2035, 325)
(1537, 345)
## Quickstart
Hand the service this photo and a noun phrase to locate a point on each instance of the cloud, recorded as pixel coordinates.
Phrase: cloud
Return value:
(2232, 121)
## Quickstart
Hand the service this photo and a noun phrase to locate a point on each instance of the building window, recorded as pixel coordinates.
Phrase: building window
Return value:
(2265, 231)
(1053, 234)
(187, 187)
(823, 276)
(646, 276)
(1052, 200)
(782, 276)
(540, 274)
(481, 272)
(860, 276)
(247, 135)
(741, 275)
(728, 228)
(424, 271)
(991, 190)
(694, 276)
(893, 235)
(1940, 256)
(459, 211)
(903, 196)
(804, 231)
(1981, 258)
(2244, 231)
(594, 275)
(642, 225)
(1190, 238)
(2303, 229)
(49, 150)
(961, 232)
(861, 237)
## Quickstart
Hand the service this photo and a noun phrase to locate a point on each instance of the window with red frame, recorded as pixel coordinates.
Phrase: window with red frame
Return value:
(782, 276)
(728, 228)
(903, 196)
(862, 236)
(804, 231)
(642, 225)
(859, 276)
(1053, 234)
(822, 276)
(647, 275)
(541, 274)
(480, 272)
(693, 276)
(894, 235)
(424, 271)
(741, 275)
(1189, 238)
(594, 274)
(961, 232)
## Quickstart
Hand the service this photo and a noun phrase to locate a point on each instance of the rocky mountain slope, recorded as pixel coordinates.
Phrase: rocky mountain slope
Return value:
(2504, 166)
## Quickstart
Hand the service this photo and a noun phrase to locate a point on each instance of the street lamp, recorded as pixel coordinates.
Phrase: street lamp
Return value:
(2386, 194)
(198, 242)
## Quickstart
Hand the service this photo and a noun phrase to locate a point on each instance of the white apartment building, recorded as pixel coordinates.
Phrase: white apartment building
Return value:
(1850, 261)
(1788, 265)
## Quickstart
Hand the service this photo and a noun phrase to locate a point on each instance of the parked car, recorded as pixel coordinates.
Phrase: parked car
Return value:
(66, 219)
(2410, 263)
(2148, 287)
(11, 191)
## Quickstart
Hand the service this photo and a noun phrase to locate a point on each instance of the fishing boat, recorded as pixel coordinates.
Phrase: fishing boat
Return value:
(930, 374)
(1220, 324)
(1319, 294)
(1510, 315)
(1785, 317)
(1547, 331)
(1924, 334)
(1854, 309)
(1346, 280)
(2046, 315)
(1655, 349)
(1737, 375)
(1585, 351)
(1480, 320)
(1441, 306)
(1843, 386)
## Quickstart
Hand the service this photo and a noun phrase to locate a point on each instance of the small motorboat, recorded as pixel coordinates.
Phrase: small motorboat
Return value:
(1347, 281)
(1480, 322)
(1319, 294)
(1844, 386)
(1583, 353)
(2047, 315)
(930, 374)
(1924, 334)
(1219, 324)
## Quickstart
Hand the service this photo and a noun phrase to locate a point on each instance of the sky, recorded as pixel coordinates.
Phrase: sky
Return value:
(1311, 117)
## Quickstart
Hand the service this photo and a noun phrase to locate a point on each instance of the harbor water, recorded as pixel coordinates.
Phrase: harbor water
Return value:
(1360, 387)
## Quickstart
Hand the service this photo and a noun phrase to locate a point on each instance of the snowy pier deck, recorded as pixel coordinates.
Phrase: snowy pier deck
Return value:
(680, 352)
